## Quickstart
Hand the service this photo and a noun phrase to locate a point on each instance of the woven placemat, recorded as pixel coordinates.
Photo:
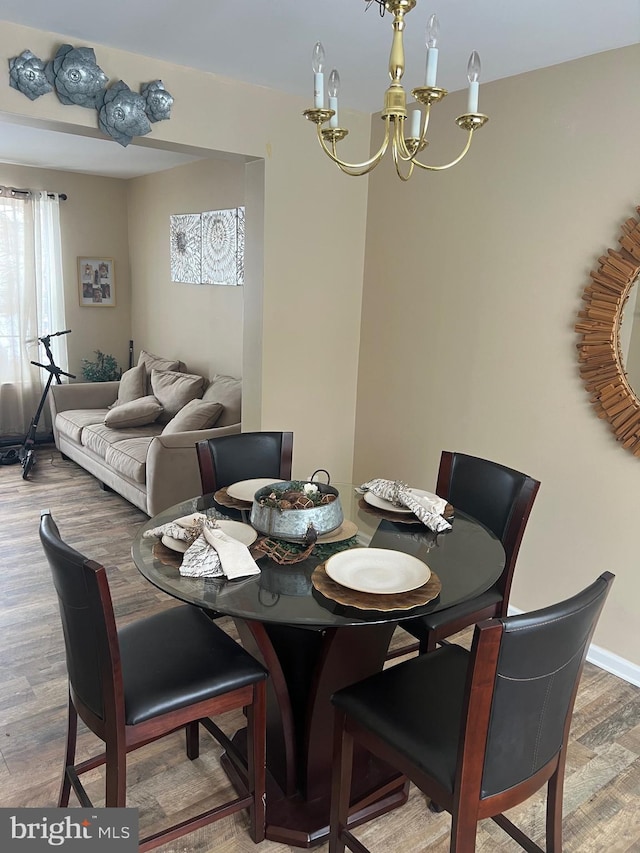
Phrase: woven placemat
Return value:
(374, 601)
(399, 517)
(225, 499)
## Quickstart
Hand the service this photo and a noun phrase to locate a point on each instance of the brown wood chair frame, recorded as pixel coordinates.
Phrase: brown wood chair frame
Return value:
(466, 802)
(120, 739)
(511, 538)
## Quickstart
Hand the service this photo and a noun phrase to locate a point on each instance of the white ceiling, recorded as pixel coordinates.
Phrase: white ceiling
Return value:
(269, 43)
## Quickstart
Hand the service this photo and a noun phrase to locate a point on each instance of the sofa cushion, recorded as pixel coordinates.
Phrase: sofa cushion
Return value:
(135, 413)
(228, 391)
(99, 437)
(197, 414)
(133, 385)
(71, 423)
(152, 361)
(174, 390)
(129, 457)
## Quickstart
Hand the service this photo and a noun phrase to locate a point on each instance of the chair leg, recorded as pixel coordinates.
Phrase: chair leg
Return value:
(69, 756)
(116, 773)
(192, 735)
(340, 783)
(256, 760)
(554, 809)
(464, 827)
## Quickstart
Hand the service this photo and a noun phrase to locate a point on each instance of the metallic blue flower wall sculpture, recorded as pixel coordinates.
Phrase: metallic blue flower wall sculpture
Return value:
(77, 79)
(76, 76)
(121, 113)
(159, 101)
(26, 74)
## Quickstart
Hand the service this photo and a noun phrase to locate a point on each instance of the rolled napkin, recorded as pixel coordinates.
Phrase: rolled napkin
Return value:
(428, 508)
(186, 529)
(211, 552)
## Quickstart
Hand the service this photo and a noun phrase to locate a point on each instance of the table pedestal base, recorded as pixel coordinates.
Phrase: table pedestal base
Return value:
(305, 823)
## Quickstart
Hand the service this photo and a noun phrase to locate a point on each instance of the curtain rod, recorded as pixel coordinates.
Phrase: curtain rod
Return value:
(16, 191)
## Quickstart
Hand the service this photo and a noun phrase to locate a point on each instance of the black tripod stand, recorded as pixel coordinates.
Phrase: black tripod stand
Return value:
(26, 452)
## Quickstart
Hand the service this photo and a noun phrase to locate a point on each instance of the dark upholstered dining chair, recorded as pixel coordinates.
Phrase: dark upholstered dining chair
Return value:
(135, 684)
(478, 732)
(501, 499)
(244, 456)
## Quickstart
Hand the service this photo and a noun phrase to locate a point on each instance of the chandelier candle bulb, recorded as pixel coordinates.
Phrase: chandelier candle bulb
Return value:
(473, 76)
(433, 34)
(334, 88)
(415, 124)
(318, 75)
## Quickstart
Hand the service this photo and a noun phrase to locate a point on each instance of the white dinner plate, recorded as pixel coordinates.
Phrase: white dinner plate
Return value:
(236, 529)
(378, 570)
(381, 503)
(244, 490)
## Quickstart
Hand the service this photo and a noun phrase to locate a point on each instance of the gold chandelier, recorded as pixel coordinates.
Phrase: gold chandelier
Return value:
(403, 148)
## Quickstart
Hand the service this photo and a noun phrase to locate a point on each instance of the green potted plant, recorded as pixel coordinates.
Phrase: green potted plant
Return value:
(103, 369)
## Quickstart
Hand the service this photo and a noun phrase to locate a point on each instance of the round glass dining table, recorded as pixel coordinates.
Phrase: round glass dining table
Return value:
(312, 646)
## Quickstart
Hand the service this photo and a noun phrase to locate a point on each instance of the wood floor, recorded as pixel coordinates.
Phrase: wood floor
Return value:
(602, 790)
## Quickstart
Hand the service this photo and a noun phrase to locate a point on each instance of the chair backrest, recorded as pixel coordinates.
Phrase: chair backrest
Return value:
(88, 624)
(244, 456)
(499, 497)
(523, 682)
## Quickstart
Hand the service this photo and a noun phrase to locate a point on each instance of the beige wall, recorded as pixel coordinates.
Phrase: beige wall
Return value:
(472, 288)
(300, 350)
(93, 223)
(199, 324)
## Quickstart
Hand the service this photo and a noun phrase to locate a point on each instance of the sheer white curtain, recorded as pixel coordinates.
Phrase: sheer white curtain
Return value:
(31, 303)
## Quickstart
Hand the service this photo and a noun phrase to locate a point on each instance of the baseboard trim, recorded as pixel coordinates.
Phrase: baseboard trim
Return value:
(606, 660)
(614, 664)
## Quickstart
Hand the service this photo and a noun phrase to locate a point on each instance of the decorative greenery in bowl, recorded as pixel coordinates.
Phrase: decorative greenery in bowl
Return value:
(297, 494)
(103, 369)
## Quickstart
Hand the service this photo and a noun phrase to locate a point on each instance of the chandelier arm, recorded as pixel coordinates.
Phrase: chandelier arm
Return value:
(446, 165)
(427, 114)
(396, 161)
(356, 169)
(400, 143)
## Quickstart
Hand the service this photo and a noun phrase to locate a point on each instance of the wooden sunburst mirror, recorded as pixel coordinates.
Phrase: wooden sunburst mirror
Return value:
(601, 364)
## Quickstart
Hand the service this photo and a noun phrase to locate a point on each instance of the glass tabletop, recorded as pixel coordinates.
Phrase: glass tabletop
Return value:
(467, 559)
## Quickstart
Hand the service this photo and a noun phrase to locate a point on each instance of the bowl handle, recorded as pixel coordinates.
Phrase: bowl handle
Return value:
(320, 471)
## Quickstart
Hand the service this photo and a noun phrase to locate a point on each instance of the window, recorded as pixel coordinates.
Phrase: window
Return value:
(31, 301)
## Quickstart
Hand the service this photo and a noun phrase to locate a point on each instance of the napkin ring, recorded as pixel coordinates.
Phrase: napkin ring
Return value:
(397, 487)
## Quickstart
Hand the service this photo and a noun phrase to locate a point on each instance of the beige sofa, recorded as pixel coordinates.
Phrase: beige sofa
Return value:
(153, 464)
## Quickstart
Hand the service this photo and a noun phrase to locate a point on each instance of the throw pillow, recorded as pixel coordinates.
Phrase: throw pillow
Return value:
(139, 412)
(133, 384)
(152, 361)
(175, 390)
(228, 391)
(195, 415)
